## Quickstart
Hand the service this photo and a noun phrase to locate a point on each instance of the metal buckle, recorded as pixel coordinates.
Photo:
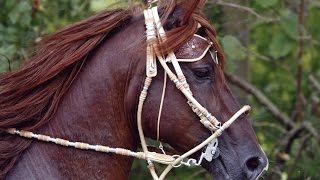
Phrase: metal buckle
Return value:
(211, 152)
(161, 148)
(188, 163)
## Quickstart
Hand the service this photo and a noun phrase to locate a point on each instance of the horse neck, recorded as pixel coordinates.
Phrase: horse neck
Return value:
(98, 109)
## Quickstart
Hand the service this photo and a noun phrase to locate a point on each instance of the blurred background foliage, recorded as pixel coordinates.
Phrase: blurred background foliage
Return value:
(272, 45)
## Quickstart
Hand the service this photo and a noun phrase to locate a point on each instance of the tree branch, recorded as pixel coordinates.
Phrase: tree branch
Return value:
(262, 99)
(272, 108)
(283, 148)
(303, 143)
(314, 82)
(270, 125)
(35, 7)
(286, 142)
(246, 9)
(298, 114)
(309, 127)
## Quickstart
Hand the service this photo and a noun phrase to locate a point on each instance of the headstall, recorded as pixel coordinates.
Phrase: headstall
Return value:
(193, 51)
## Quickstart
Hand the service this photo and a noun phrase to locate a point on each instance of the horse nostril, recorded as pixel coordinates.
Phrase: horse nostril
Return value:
(255, 166)
(253, 163)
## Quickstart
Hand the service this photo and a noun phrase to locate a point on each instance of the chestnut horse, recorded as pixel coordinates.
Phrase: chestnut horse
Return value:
(83, 84)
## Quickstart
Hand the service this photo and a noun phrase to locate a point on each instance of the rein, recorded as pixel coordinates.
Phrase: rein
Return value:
(155, 33)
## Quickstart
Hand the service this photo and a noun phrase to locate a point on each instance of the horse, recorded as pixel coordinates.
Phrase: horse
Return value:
(83, 84)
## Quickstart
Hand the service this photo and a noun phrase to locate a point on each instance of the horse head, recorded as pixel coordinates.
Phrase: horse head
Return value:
(241, 156)
(84, 85)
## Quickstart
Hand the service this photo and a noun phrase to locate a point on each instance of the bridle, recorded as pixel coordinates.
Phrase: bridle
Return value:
(155, 33)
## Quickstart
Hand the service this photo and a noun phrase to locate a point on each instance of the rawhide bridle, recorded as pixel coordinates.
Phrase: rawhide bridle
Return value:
(193, 51)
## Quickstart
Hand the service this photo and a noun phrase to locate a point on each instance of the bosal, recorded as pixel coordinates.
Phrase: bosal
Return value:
(156, 34)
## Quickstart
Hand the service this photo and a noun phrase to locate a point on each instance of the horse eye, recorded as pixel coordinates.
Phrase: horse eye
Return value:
(202, 73)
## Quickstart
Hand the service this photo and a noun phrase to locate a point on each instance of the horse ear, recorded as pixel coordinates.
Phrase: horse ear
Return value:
(181, 13)
(189, 7)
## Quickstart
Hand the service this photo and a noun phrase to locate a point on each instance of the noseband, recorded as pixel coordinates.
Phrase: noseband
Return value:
(193, 51)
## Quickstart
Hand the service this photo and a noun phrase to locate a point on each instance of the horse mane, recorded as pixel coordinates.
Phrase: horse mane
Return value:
(29, 97)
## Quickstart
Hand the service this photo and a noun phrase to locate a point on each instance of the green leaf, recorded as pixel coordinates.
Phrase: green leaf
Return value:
(266, 3)
(24, 6)
(233, 48)
(98, 5)
(14, 16)
(289, 23)
(281, 45)
(313, 22)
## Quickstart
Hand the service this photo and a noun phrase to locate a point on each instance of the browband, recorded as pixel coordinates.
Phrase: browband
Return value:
(195, 49)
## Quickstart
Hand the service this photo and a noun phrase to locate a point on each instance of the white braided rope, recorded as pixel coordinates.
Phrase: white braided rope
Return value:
(161, 105)
(77, 145)
(142, 98)
(171, 161)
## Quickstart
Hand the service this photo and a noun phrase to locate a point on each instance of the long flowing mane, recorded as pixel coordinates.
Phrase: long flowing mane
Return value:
(29, 97)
